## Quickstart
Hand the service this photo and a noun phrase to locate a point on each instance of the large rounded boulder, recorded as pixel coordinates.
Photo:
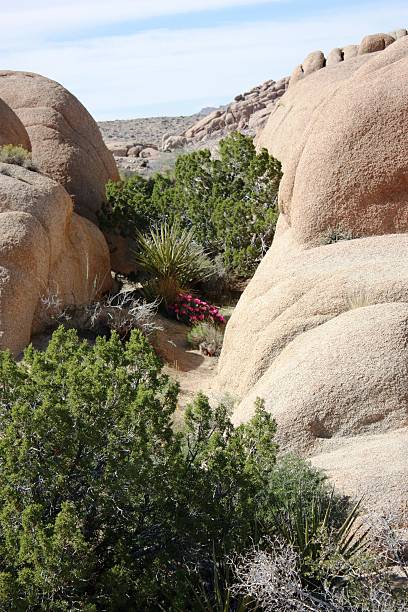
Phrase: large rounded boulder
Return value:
(340, 134)
(45, 249)
(65, 139)
(321, 332)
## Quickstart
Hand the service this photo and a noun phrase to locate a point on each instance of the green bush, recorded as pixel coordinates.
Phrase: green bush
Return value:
(337, 234)
(207, 336)
(103, 506)
(172, 262)
(16, 154)
(229, 203)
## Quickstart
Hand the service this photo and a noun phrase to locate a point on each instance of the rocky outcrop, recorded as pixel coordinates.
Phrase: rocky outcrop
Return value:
(248, 113)
(132, 149)
(320, 333)
(340, 134)
(66, 142)
(370, 44)
(45, 249)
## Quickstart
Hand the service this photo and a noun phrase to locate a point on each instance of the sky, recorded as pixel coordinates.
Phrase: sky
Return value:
(139, 58)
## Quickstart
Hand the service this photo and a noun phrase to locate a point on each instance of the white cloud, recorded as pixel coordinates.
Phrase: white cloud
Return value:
(159, 70)
(56, 16)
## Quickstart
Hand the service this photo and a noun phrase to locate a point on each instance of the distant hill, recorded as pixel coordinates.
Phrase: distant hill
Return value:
(152, 144)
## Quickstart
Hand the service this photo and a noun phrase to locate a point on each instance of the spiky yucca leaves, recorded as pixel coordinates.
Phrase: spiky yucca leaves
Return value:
(324, 547)
(172, 261)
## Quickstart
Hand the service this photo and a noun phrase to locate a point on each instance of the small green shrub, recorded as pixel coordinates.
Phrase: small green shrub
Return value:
(172, 261)
(103, 506)
(334, 235)
(129, 207)
(230, 203)
(207, 337)
(15, 154)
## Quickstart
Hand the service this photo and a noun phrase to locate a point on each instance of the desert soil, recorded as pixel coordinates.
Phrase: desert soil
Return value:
(149, 131)
(187, 366)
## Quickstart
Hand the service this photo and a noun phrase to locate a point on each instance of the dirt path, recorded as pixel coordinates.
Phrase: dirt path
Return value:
(193, 371)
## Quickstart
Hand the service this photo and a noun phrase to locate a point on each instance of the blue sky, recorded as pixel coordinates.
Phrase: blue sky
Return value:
(136, 58)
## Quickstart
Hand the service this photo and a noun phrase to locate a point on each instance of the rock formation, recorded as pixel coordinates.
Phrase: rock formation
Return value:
(321, 332)
(12, 131)
(370, 44)
(66, 141)
(248, 113)
(46, 249)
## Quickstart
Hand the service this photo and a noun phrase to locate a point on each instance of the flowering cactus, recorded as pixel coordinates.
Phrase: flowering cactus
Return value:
(191, 310)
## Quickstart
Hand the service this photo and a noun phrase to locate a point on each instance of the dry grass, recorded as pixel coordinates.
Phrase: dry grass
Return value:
(120, 313)
(359, 300)
(207, 337)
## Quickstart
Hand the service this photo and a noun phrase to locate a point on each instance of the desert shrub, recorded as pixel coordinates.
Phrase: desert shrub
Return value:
(172, 261)
(337, 234)
(118, 312)
(324, 548)
(270, 579)
(207, 337)
(294, 479)
(229, 203)
(103, 506)
(245, 213)
(129, 206)
(191, 310)
(16, 154)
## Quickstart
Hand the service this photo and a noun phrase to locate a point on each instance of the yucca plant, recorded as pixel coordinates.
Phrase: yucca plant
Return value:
(172, 261)
(213, 593)
(321, 544)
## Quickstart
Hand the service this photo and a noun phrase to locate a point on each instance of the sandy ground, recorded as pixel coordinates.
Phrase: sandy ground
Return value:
(188, 367)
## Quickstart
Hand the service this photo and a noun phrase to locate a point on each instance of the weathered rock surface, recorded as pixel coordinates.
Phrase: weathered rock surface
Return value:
(344, 377)
(382, 480)
(321, 332)
(375, 42)
(341, 137)
(45, 249)
(12, 131)
(296, 289)
(66, 142)
(334, 57)
(248, 113)
(370, 44)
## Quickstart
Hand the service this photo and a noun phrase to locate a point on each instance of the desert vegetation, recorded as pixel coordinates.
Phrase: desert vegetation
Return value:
(228, 203)
(17, 155)
(200, 231)
(104, 506)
